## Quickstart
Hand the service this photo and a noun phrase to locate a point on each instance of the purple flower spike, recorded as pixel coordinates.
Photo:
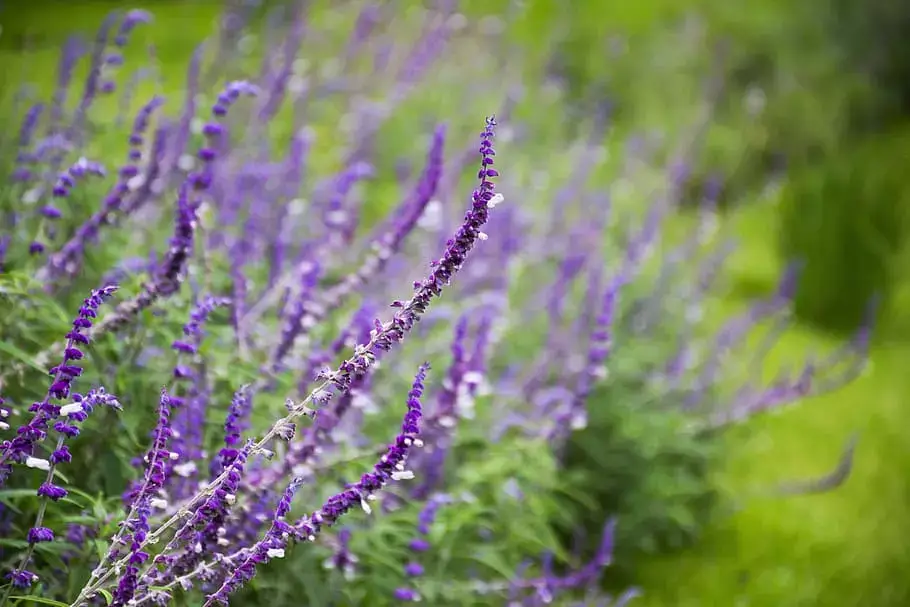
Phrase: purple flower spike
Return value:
(231, 94)
(444, 269)
(40, 534)
(68, 259)
(169, 275)
(406, 594)
(157, 456)
(389, 468)
(420, 544)
(237, 421)
(133, 18)
(22, 446)
(21, 578)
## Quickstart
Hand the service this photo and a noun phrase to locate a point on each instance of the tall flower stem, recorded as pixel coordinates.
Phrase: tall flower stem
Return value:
(383, 337)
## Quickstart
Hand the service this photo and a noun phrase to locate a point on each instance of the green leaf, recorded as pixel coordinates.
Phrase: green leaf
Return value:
(88, 497)
(18, 544)
(110, 597)
(39, 599)
(494, 561)
(11, 494)
(21, 355)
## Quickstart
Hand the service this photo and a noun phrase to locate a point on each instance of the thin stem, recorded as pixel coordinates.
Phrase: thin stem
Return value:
(39, 518)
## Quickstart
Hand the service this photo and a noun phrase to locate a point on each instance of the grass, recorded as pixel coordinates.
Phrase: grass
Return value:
(844, 548)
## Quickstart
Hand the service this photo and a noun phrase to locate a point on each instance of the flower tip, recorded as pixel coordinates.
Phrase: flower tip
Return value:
(495, 200)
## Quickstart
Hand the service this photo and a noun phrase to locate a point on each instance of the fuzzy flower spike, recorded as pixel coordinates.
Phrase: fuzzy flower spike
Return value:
(390, 467)
(382, 338)
(21, 448)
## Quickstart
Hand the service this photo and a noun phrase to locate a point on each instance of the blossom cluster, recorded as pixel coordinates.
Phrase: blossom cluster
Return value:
(207, 219)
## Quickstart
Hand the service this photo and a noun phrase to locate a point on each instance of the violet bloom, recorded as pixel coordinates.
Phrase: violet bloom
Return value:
(67, 259)
(391, 467)
(230, 95)
(444, 269)
(169, 275)
(237, 421)
(21, 578)
(441, 422)
(132, 18)
(28, 436)
(189, 406)
(24, 158)
(158, 454)
(21, 447)
(419, 545)
(303, 315)
(343, 560)
(545, 588)
(67, 180)
(202, 532)
(95, 72)
(313, 310)
(136, 525)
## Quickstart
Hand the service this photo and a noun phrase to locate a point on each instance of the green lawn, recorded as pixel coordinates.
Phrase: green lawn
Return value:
(843, 548)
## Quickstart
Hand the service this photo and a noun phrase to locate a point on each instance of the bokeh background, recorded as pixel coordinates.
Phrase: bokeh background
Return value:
(807, 137)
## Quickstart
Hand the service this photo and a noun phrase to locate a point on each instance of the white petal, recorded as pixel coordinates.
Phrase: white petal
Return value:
(71, 408)
(37, 462)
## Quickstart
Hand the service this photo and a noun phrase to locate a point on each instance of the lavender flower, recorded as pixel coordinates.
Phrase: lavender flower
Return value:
(169, 275)
(389, 468)
(419, 545)
(545, 588)
(343, 560)
(237, 421)
(20, 449)
(29, 435)
(409, 312)
(136, 525)
(67, 259)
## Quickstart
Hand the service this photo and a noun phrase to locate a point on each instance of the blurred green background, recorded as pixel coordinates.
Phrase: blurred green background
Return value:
(811, 140)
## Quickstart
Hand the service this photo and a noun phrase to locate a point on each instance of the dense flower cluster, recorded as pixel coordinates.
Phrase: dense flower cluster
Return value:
(213, 501)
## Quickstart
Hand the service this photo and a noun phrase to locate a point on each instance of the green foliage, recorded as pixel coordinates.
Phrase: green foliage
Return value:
(872, 37)
(486, 531)
(847, 220)
(640, 460)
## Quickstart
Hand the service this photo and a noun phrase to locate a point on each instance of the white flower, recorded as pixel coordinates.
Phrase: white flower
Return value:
(431, 218)
(186, 469)
(158, 503)
(402, 475)
(32, 196)
(70, 408)
(186, 162)
(275, 553)
(136, 182)
(37, 462)
(496, 199)
(365, 506)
